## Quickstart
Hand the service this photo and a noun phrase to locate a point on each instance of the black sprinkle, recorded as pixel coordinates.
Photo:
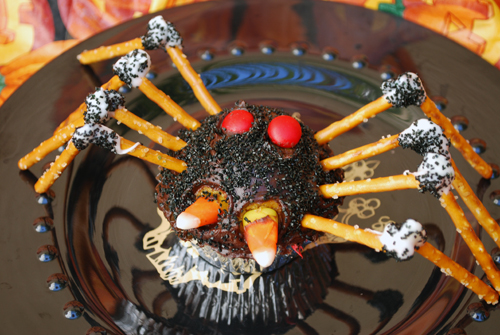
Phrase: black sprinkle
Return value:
(113, 100)
(161, 34)
(435, 180)
(406, 90)
(424, 141)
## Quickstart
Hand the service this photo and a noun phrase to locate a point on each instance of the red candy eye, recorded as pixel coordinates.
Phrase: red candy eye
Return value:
(284, 131)
(238, 121)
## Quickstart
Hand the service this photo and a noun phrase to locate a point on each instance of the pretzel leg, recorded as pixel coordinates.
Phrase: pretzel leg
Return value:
(72, 118)
(476, 206)
(56, 169)
(457, 140)
(475, 245)
(345, 231)
(370, 239)
(113, 84)
(360, 153)
(168, 105)
(152, 132)
(153, 156)
(107, 52)
(46, 147)
(392, 183)
(193, 79)
(337, 128)
(450, 268)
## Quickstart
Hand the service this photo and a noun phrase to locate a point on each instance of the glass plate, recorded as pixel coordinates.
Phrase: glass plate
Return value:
(323, 60)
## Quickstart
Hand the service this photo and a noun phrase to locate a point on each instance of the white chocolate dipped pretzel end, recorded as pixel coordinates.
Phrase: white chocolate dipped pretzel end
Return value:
(404, 91)
(402, 242)
(436, 175)
(160, 35)
(422, 136)
(132, 69)
(106, 138)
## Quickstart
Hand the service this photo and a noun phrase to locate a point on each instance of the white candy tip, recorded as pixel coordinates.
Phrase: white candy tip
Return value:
(187, 221)
(264, 257)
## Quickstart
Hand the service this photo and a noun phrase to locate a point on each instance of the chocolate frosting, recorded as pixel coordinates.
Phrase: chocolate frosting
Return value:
(249, 169)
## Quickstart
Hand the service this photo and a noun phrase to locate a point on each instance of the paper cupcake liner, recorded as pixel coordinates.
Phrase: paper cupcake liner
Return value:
(241, 265)
(249, 302)
(268, 302)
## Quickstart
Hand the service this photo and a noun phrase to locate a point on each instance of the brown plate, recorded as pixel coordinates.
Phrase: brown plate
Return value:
(321, 59)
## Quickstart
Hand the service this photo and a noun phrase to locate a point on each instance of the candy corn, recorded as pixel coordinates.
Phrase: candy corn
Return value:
(202, 212)
(261, 234)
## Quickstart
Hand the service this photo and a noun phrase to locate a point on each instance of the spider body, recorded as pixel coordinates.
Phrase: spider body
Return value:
(250, 171)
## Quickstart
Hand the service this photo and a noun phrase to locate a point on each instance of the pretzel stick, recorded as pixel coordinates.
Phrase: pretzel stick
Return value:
(49, 177)
(155, 133)
(113, 84)
(370, 239)
(360, 153)
(47, 146)
(483, 168)
(72, 118)
(392, 183)
(337, 128)
(152, 132)
(193, 79)
(475, 245)
(448, 200)
(160, 35)
(168, 105)
(460, 184)
(450, 268)
(107, 52)
(153, 156)
(476, 206)
(345, 231)
(56, 169)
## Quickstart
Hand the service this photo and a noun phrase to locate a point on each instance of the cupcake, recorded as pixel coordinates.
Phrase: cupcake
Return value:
(211, 299)
(253, 172)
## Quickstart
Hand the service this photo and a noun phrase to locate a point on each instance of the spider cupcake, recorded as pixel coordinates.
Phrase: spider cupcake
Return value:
(252, 174)
(253, 183)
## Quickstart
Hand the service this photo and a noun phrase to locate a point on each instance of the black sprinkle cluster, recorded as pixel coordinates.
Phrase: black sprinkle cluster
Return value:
(105, 138)
(160, 34)
(173, 37)
(112, 101)
(125, 67)
(427, 139)
(94, 131)
(424, 140)
(395, 229)
(96, 134)
(249, 168)
(438, 176)
(115, 100)
(404, 91)
(82, 137)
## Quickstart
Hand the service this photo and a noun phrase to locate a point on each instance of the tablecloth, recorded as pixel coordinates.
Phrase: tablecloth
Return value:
(33, 32)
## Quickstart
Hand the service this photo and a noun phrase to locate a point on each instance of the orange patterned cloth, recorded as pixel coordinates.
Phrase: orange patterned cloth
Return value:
(27, 30)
